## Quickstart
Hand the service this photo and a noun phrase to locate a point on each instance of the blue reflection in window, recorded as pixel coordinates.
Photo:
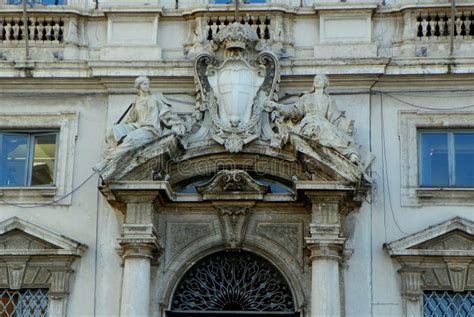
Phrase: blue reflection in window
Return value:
(37, 2)
(464, 159)
(13, 159)
(448, 304)
(446, 158)
(241, 1)
(434, 159)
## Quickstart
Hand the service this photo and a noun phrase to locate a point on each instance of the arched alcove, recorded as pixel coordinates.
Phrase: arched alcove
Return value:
(229, 283)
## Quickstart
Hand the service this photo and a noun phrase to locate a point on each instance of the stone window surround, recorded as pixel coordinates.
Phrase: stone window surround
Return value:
(67, 124)
(411, 193)
(452, 264)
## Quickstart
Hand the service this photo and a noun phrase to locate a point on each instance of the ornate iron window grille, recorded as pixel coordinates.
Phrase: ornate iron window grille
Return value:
(24, 303)
(448, 304)
(233, 281)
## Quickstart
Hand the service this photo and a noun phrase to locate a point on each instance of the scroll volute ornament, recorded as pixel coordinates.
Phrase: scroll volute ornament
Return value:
(238, 183)
(234, 220)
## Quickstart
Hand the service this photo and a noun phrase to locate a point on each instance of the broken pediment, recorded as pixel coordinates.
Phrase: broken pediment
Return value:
(18, 235)
(454, 237)
(234, 184)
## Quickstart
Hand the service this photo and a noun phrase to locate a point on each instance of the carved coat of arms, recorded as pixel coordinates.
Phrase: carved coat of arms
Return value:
(234, 82)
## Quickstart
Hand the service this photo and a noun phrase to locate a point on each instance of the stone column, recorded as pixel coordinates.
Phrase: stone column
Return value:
(139, 244)
(326, 245)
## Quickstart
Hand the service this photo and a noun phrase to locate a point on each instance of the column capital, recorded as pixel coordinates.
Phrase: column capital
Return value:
(144, 248)
(411, 283)
(325, 251)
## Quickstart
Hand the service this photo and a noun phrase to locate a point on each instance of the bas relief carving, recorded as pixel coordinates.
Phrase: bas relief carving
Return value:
(287, 235)
(234, 82)
(181, 235)
(237, 79)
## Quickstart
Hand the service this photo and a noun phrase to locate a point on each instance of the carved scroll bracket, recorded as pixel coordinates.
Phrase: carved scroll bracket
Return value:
(234, 219)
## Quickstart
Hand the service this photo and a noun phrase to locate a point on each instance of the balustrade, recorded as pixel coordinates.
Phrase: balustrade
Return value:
(40, 30)
(261, 24)
(431, 26)
(275, 29)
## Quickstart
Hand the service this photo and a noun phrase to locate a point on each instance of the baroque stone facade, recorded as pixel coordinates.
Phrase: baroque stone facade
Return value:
(205, 150)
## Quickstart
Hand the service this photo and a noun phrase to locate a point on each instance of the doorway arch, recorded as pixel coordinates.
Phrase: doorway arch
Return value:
(231, 283)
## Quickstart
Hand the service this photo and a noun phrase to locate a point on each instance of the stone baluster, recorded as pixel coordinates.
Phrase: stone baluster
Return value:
(424, 26)
(48, 28)
(8, 31)
(458, 24)
(16, 29)
(56, 29)
(139, 244)
(326, 245)
(40, 29)
(32, 29)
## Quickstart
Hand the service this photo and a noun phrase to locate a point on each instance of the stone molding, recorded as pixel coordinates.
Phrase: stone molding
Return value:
(440, 257)
(32, 256)
(411, 193)
(139, 237)
(67, 124)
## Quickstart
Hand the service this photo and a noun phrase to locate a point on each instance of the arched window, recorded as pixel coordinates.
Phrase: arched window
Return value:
(228, 283)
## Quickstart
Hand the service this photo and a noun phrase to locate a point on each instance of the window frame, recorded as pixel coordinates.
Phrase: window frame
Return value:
(32, 135)
(33, 3)
(242, 2)
(451, 156)
(66, 125)
(412, 194)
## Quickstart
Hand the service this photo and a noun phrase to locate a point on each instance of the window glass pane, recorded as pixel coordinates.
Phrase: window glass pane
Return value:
(448, 304)
(37, 2)
(24, 302)
(464, 159)
(241, 1)
(13, 159)
(43, 159)
(434, 159)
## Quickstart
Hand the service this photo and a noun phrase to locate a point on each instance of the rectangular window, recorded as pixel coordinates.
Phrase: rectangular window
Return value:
(446, 158)
(448, 304)
(37, 2)
(24, 303)
(28, 158)
(241, 1)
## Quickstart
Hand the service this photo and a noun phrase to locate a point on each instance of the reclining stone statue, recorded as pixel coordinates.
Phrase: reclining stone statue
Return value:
(149, 118)
(315, 118)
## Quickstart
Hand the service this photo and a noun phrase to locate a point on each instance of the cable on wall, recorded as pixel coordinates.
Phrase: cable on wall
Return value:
(385, 171)
(51, 203)
(424, 107)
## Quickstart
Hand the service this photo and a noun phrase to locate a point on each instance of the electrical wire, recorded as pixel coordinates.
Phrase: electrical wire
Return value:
(424, 107)
(385, 173)
(51, 203)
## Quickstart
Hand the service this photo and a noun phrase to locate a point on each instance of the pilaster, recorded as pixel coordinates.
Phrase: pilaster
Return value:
(411, 291)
